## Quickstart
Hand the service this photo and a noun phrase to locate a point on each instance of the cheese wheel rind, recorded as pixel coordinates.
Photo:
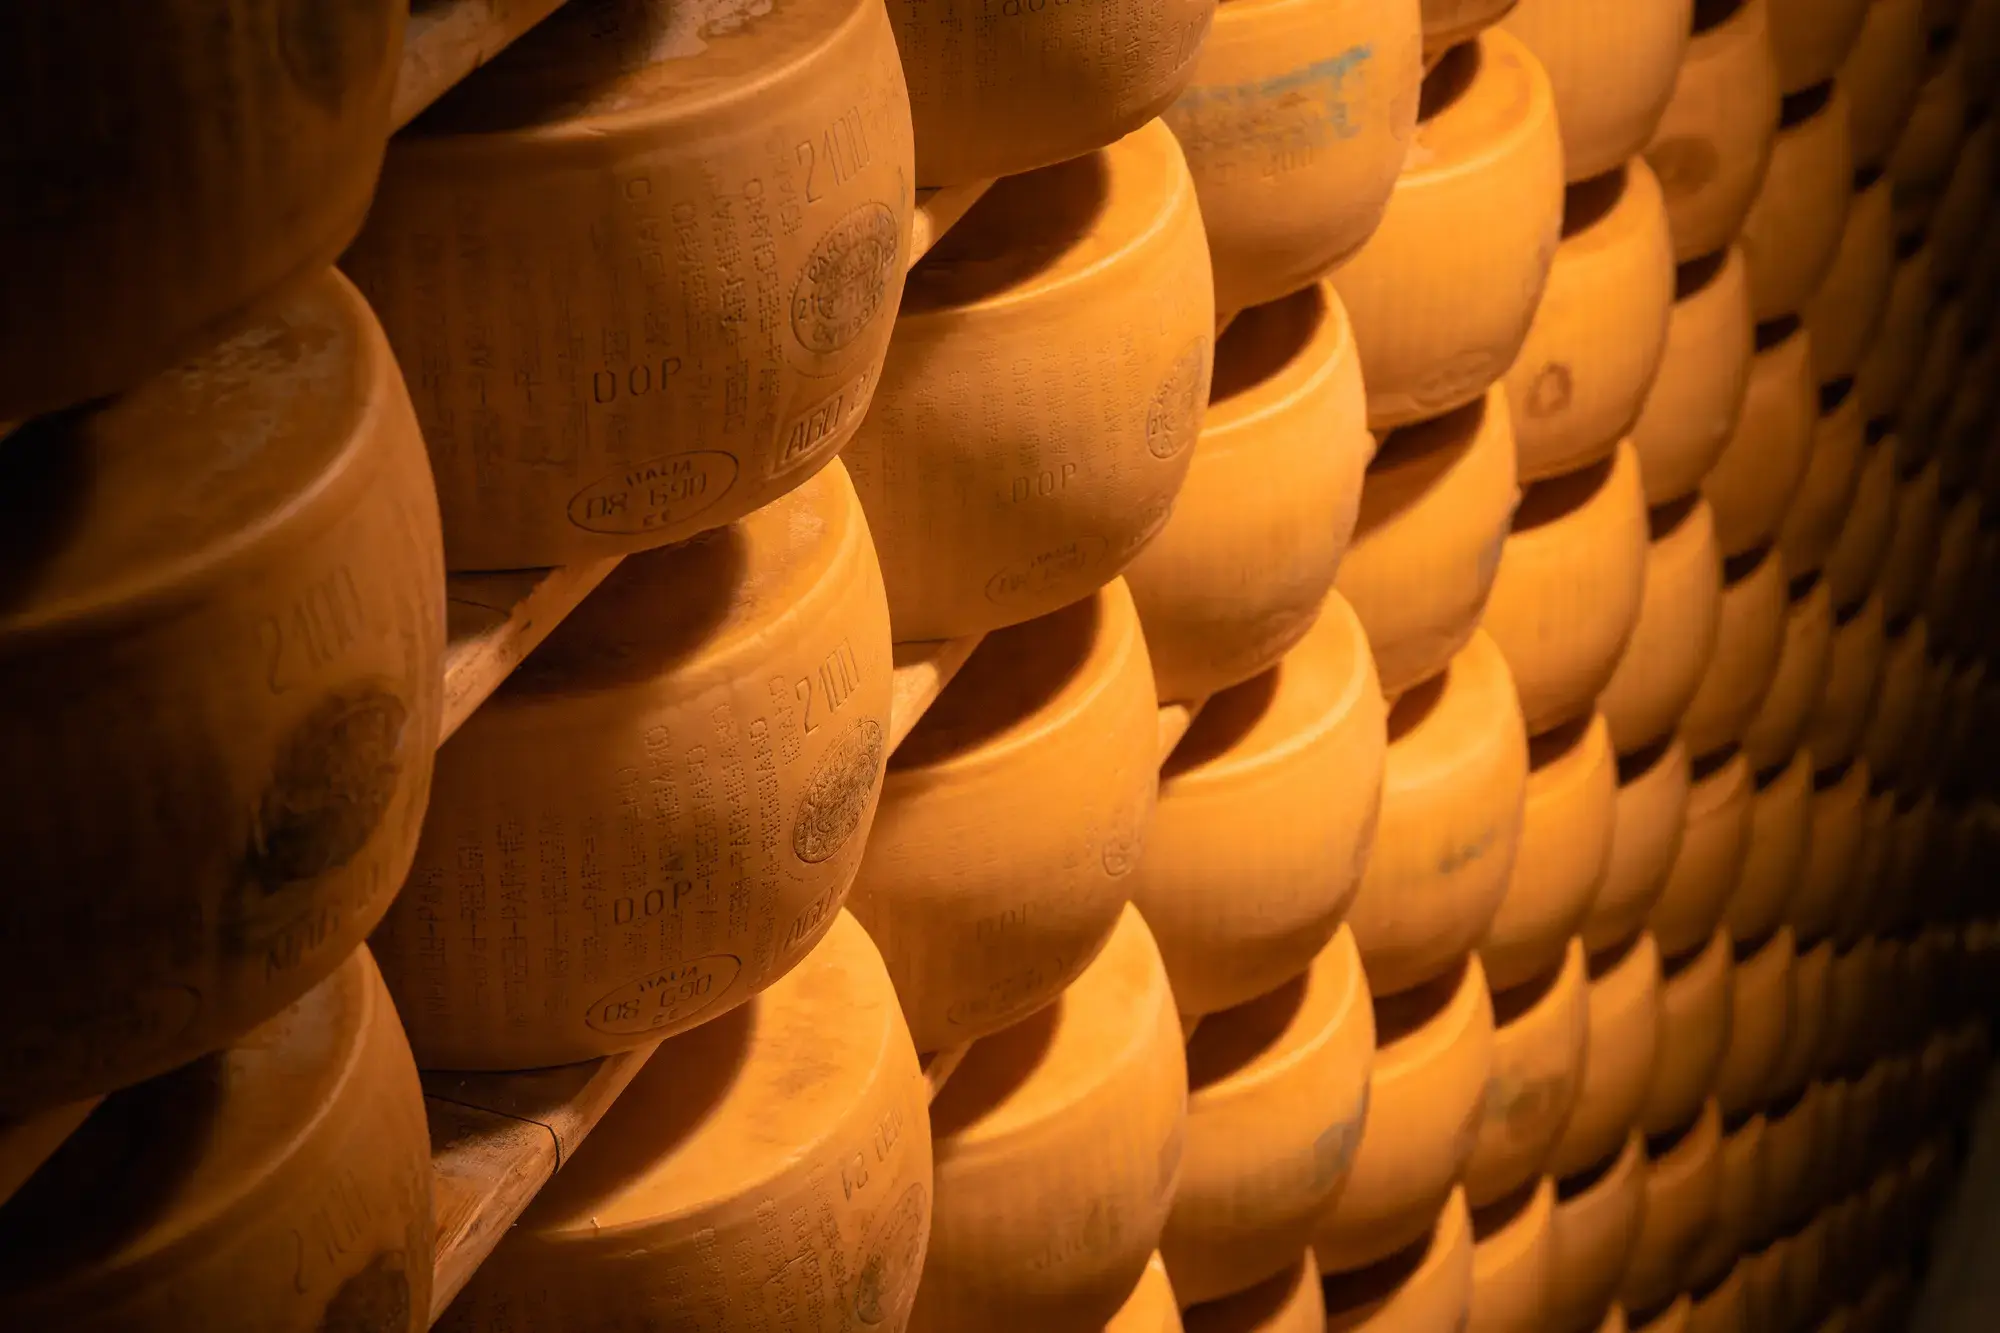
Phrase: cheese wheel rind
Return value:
(1289, 1302)
(1624, 1034)
(1714, 139)
(1844, 312)
(1710, 857)
(1810, 38)
(1736, 1205)
(1749, 639)
(1427, 1286)
(1539, 1045)
(1833, 852)
(1860, 644)
(1889, 367)
(1812, 523)
(1674, 636)
(1855, 561)
(1883, 70)
(1513, 1261)
(1774, 860)
(1151, 1308)
(1681, 1186)
(1804, 658)
(1694, 1032)
(1754, 479)
(1646, 833)
(1596, 1225)
(1792, 233)
(1612, 70)
(1760, 1019)
(1704, 372)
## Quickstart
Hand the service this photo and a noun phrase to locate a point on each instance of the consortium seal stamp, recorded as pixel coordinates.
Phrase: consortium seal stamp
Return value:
(836, 796)
(846, 279)
(894, 1255)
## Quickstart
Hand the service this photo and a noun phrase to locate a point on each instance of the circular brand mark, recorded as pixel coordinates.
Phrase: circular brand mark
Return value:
(837, 795)
(665, 998)
(846, 278)
(335, 778)
(894, 1255)
(1173, 417)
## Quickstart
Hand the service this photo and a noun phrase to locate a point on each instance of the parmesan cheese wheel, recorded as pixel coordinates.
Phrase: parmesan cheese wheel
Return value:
(1003, 88)
(1889, 367)
(1277, 1093)
(1426, 1101)
(1780, 721)
(220, 660)
(1596, 1225)
(1709, 861)
(1694, 1031)
(1749, 637)
(1820, 507)
(1011, 821)
(1780, 826)
(1803, 1284)
(1683, 1179)
(171, 167)
(1919, 768)
(1447, 23)
(1913, 550)
(1958, 224)
(1567, 593)
(1737, 1201)
(1947, 591)
(1651, 814)
(1151, 1308)
(1929, 145)
(1854, 670)
(1692, 406)
(1979, 42)
(1881, 75)
(1618, 1059)
(1961, 438)
(1847, 1018)
(1760, 470)
(1005, 473)
(1855, 561)
(1793, 229)
(1427, 1287)
(538, 253)
(739, 680)
(1843, 314)
(1833, 851)
(1513, 1261)
(1721, 1308)
(1810, 38)
(1714, 140)
(1812, 989)
(1675, 634)
(1673, 1319)
(1295, 124)
(1981, 292)
(1542, 1029)
(1612, 68)
(1058, 1143)
(1288, 1302)
(1453, 792)
(280, 1184)
(1764, 1284)
(1440, 309)
(1885, 740)
(1236, 576)
(1614, 1321)
(1760, 1022)
(1938, 376)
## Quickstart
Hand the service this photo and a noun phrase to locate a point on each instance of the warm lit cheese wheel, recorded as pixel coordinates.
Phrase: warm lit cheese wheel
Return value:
(1618, 1060)
(1938, 376)
(1240, 569)
(1848, 1020)
(1058, 1142)
(279, 1185)
(1889, 367)
(1855, 561)
(1846, 309)
(168, 168)
(1006, 473)
(1539, 1043)
(1885, 741)
(1749, 637)
(1714, 140)
(1737, 1203)
(1981, 292)
(1802, 1294)
(1913, 550)
(1683, 1179)
(1277, 1092)
(1764, 1284)
(1289, 1302)
(1152, 1307)
(1958, 225)
(1820, 507)
(1928, 147)
(1793, 229)
(1567, 593)
(1694, 1031)
(1720, 1307)
(1780, 825)
(1704, 372)
(1854, 671)
(1440, 309)
(1426, 1100)
(562, 251)
(1453, 792)
(1425, 1288)
(1709, 860)
(1803, 660)
(1979, 38)
(1810, 38)
(1513, 1262)
(1758, 472)
(1612, 68)
(1675, 1318)
(1596, 1225)
(695, 755)
(220, 661)
(1883, 70)
(1614, 1321)
(1960, 439)
(1564, 851)
(1947, 591)
(1295, 124)
(1833, 851)
(1011, 821)
(1646, 830)
(1760, 1021)
(1919, 768)
(1675, 634)
(1812, 992)
(1788, 1159)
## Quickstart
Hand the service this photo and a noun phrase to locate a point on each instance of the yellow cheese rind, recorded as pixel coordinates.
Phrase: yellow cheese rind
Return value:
(1736, 1206)
(1267, 812)
(1793, 229)
(1760, 1019)
(1513, 1261)
(1151, 1308)
(1704, 372)
(1682, 1183)
(1960, 439)
(1829, 880)
(1948, 594)
(1750, 635)
(1428, 1286)
(1540, 1038)
(1957, 226)
(1715, 137)
(1618, 1060)
(1939, 373)
(1694, 1031)
(1651, 814)
(1930, 141)
(1885, 740)
(1810, 38)
(1011, 821)
(1759, 471)
(1846, 309)
(1855, 561)
(1860, 644)
(1790, 1137)
(1288, 1302)
(1979, 38)
(1612, 70)
(1720, 1308)
(1440, 310)
(1710, 857)
(1913, 549)
(1238, 572)
(1820, 507)
(1774, 859)
(1883, 70)
(222, 665)
(1890, 365)
(1596, 1224)
(1675, 635)
(1804, 658)
(1805, 1046)
(1448, 23)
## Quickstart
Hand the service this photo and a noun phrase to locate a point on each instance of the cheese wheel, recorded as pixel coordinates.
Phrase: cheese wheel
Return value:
(1749, 638)
(1793, 229)
(1881, 75)
(1858, 1133)
(1833, 851)
(582, 393)
(1720, 1308)
(1929, 145)
(1542, 1029)
(1599, 334)
(1958, 224)
(1960, 439)
(1796, 686)
(1947, 595)
(1855, 668)
(1277, 1092)
(1812, 989)
(1448, 23)
(1513, 1260)
(1646, 829)
(1427, 1287)
(1764, 1284)
(1151, 1308)
(1714, 140)
(1825, 496)
(1920, 760)
(1675, 634)
(1762, 467)
(1788, 1160)
(1774, 859)
(1706, 867)
(220, 657)
(1047, 1132)
(1938, 376)
(1614, 1321)
(1596, 1225)
(1288, 1302)
(1848, 1020)
(1567, 593)
(1011, 821)
(1426, 1100)
(1803, 1287)
(1885, 740)
(1691, 408)
(1760, 1022)
(279, 1184)
(1440, 309)
(1737, 1202)
(1612, 69)
(1889, 367)
(1683, 1178)
(1855, 561)
(1913, 549)
(1865, 907)
(1694, 1031)
(1981, 292)
(1810, 38)
(1673, 1319)
(171, 168)
(1295, 123)
(1236, 576)
(994, 495)
(1886, 1304)
(1979, 41)
(1843, 314)
(1453, 793)
(1567, 824)
(1618, 1059)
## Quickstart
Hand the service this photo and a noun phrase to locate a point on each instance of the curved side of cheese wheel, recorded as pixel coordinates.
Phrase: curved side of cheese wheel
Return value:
(1440, 309)
(1277, 1096)
(1618, 1062)
(1790, 1137)
(1855, 562)
(1749, 637)
(1828, 883)
(1958, 224)
(1780, 826)
(280, 1184)
(1540, 1037)
(1938, 377)
(1710, 858)
(1612, 69)
(999, 495)
(755, 661)
(1760, 470)
(1819, 509)
(1435, 508)
(1295, 124)
(1889, 367)
(1913, 549)
(1675, 634)
(1804, 657)
(1916, 819)
(1704, 372)
(1764, 1275)
(1033, 779)
(1152, 1307)
(1810, 38)
(1427, 1286)
(1792, 232)
(174, 167)
(1714, 139)
(1694, 1031)
(1646, 831)
(1812, 988)
(1682, 1183)
(1885, 740)
(1803, 1291)
(1426, 1099)
(1981, 292)
(1843, 314)
(1513, 1261)
(1447, 23)
(1046, 1130)
(1287, 1302)
(1454, 788)
(523, 223)
(1860, 645)
(1720, 1307)
(1238, 573)
(1847, 1018)
(1675, 1318)
(1929, 145)
(221, 653)
(1596, 1225)
(1979, 37)
(1960, 438)
(1760, 1021)
(1736, 1205)
(1920, 764)
(1948, 594)
(1882, 73)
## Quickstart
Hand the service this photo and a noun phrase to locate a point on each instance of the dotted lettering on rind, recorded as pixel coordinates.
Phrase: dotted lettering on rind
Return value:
(893, 1256)
(1032, 579)
(655, 494)
(837, 794)
(1173, 417)
(335, 777)
(375, 1300)
(849, 272)
(665, 998)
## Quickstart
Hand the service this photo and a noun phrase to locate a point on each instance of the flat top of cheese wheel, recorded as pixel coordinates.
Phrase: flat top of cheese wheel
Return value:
(1254, 1042)
(1477, 102)
(1272, 354)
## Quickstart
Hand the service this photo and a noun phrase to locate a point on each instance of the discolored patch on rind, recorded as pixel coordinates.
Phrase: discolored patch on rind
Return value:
(1684, 165)
(892, 1257)
(1173, 416)
(1334, 1149)
(335, 777)
(845, 280)
(836, 796)
(374, 1300)
(334, 49)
